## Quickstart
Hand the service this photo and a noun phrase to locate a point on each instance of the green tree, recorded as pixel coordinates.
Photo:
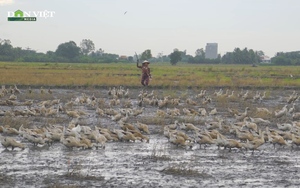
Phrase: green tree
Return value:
(68, 50)
(18, 52)
(146, 55)
(200, 53)
(6, 50)
(87, 46)
(184, 56)
(281, 60)
(51, 56)
(260, 53)
(239, 56)
(175, 57)
(253, 57)
(108, 58)
(246, 57)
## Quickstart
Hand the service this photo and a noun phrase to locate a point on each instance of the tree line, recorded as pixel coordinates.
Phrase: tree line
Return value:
(288, 58)
(86, 53)
(65, 52)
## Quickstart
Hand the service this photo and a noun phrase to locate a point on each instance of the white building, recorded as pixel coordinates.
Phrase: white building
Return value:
(265, 59)
(211, 51)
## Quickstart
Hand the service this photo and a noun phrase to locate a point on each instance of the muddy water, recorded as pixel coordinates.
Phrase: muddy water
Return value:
(133, 165)
(153, 164)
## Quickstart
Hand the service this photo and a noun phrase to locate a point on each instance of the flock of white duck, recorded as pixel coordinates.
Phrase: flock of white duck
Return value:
(204, 119)
(72, 134)
(240, 131)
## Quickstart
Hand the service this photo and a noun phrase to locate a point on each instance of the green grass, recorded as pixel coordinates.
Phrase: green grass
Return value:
(164, 75)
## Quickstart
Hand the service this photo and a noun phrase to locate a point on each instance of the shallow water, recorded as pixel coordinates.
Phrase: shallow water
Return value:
(134, 165)
(153, 164)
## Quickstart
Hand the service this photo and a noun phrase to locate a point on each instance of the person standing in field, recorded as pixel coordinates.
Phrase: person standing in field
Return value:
(146, 75)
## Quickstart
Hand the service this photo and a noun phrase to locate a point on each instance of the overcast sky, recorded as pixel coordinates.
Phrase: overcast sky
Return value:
(160, 25)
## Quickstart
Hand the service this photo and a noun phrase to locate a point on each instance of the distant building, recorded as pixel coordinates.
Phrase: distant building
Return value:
(123, 57)
(265, 59)
(211, 51)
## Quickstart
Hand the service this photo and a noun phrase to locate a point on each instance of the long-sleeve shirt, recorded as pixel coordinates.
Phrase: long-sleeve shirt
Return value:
(145, 70)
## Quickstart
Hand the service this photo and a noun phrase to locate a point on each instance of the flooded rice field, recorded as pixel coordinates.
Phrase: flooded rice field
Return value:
(162, 157)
